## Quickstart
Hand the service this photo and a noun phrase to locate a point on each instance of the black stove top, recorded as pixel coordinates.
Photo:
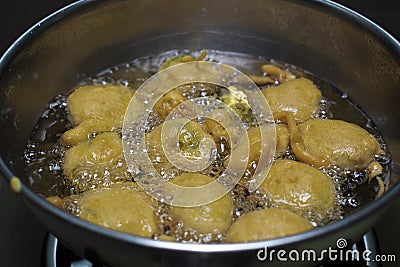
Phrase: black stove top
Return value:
(25, 242)
(55, 254)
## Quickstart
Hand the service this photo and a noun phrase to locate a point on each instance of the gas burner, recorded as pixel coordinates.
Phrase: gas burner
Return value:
(57, 255)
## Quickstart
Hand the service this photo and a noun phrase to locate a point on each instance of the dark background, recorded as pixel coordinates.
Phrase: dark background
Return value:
(16, 16)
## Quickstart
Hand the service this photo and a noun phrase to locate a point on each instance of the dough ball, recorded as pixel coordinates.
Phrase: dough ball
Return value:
(298, 96)
(217, 123)
(254, 136)
(254, 148)
(282, 139)
(123, 207)
(168, 103)
(266, 224)
(299, 187)
(182, 58)
(214, 217)
(336, 142)
(96, 162)
(95, 109)
(189, 139)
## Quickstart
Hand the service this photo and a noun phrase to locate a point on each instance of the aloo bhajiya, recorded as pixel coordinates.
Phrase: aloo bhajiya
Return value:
(95, 109)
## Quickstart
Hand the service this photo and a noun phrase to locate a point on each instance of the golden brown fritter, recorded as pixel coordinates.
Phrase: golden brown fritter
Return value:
(211, 218)
(334, 142)
(276, 73)
(298, 96)
(282, 139)
(299, 187)
(217, 123)
(96, 162)
(271, 75)
(190, 137)
(254, 136)
(266, 224)
(123, 207)
(182, 59)
(168, 103)
(95, 109)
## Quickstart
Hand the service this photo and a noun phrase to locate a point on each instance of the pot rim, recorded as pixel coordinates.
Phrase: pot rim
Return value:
(336, 226)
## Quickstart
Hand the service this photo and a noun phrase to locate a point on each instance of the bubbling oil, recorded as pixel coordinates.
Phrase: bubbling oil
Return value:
(44, 152)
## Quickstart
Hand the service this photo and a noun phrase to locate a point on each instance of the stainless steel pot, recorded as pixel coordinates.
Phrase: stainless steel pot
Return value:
(336, 44)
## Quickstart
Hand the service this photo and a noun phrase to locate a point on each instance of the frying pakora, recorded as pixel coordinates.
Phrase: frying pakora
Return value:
(334, 142)
(266, 224)
(299, 187)
(168, 103)
(214, 217)
(254, 145)
(190, 137)
(271, 75)
(96, 162)
(298, 96)
(95, 109)
(123, 207)
(182, 59)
